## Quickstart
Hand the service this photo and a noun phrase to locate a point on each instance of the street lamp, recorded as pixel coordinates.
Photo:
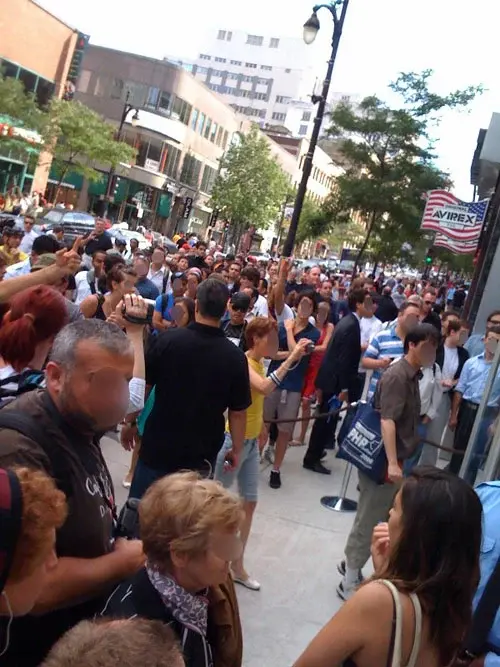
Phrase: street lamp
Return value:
(127, 108)
(311, 28)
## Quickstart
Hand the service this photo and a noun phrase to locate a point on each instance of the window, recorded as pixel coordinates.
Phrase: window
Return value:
(232, 76)
(247, 79)
(303, 130)
(263, 82)
(29, 79)
(138, 93)
(216, 72)
(213, 133)
(82, 85)
(182, 109)
(235, 62)
(201, 123)
(208, 127)
(200, 70)
(306, 116)
(279, 116)
(221, 34)
(9, 70)
(220, 132)
(262, 113)
(165, 103)
(204, 56)
(45, 90)
(224, 139)
(255, 40)
(220, 60)
(194, 119)
(190, 173)
(208, 179)
(251, 65)
(287, 71)
(274, 43)
(152, 98)
(116, 91)
(229, 36)
(281, 99)
(267, 68)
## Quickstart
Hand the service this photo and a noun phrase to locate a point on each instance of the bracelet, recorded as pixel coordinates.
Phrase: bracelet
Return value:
(275, 378)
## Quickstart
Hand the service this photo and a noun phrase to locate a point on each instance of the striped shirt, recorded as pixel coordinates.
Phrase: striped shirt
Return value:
(386, 344)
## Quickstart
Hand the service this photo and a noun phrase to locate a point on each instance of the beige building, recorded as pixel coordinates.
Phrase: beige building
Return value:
(36, 48)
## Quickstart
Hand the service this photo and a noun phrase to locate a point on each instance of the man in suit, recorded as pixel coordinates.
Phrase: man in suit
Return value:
(338, 375)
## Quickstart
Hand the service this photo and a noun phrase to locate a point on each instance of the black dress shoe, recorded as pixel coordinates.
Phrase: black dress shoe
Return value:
(317, 467)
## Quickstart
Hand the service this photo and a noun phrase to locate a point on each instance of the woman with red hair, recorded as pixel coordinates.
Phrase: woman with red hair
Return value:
(27, 332)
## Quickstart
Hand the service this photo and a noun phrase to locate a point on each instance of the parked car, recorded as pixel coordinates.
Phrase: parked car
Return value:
(120, 232)
(74, 223)
(259, 256)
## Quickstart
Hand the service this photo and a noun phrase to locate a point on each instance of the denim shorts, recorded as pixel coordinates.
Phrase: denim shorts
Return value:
(247, 471)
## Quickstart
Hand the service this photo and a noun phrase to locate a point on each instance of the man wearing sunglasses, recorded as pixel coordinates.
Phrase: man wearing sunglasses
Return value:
(429, 315)
(234, 327)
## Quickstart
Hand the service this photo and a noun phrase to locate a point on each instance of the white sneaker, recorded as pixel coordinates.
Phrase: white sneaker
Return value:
(251, 584)
(345, 592)
(268, 454)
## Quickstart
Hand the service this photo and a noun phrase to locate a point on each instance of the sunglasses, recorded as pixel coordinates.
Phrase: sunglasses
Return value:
(429, 303)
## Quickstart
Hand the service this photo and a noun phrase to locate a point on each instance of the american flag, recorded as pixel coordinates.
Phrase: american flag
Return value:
(456, 228)
(457, 247)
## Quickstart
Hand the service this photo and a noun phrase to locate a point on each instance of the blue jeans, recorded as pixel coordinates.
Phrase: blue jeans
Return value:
(413, 460)
(143, 477)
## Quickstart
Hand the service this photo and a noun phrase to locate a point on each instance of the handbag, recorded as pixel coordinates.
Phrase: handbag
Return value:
(363, 446)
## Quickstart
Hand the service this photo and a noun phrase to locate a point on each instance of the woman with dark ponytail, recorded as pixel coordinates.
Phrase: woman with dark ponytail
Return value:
(28, 329)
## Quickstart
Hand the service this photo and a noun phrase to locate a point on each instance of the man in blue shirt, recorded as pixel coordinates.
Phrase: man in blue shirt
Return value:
(146, 287)
(388, 344)
(285, 399)
(489, 495)
(475, 344)
(466, 399)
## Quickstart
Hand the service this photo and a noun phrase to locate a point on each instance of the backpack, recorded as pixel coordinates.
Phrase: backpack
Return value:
(166, 278)
(91, 280)
(27, 380)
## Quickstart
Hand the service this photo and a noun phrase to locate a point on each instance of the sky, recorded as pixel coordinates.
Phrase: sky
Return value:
(456, 38)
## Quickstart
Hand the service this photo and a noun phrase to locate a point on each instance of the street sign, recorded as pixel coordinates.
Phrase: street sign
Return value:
(188, 205)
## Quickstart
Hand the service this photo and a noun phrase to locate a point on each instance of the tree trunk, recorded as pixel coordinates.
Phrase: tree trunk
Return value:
(369, 231)
(59, 184)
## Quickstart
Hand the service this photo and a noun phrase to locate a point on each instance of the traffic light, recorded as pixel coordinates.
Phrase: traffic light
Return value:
(429, 257)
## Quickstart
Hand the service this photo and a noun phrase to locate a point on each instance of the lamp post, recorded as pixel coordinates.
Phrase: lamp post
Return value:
(127, 108)
(311, 28)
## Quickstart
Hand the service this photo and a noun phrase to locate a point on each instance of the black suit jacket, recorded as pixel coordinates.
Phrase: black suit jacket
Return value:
(339, 369)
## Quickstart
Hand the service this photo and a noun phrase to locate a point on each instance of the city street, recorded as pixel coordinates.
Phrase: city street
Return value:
(293, 551)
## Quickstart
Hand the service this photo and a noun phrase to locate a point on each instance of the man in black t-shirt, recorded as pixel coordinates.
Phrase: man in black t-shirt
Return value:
(198, 374)
(234, 327)
(99, 239)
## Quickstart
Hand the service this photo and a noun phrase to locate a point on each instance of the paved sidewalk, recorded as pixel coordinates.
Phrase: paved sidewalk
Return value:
(293, 551)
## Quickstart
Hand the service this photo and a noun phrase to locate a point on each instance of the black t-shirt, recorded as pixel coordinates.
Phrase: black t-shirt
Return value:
(102, 242)
(434, 319)
(458, 298)
(198, 375)
(235, 333)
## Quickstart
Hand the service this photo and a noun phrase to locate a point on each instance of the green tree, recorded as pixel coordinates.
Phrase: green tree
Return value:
(251, 186)
(389, 153)
(78, 138)
(18, 109)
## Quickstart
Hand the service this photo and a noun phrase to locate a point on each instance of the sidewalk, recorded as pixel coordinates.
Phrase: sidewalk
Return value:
(293, 551)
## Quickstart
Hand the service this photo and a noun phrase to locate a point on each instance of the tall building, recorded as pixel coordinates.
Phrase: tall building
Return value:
(257, 75)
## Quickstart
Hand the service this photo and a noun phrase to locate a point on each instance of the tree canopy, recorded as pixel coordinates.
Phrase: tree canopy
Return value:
(18, 109)
(389, 156)
(79, 139)
(251, 186)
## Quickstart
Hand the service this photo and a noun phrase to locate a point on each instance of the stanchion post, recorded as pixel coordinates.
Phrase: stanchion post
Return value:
(341, 503)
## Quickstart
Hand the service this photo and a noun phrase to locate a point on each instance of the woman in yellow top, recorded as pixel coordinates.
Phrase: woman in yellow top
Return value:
(262, 341)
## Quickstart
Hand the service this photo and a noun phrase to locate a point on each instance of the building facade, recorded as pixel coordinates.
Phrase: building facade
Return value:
(257, 75)
(36, 48)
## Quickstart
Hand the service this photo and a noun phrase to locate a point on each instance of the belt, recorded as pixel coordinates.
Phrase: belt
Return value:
(475, 407)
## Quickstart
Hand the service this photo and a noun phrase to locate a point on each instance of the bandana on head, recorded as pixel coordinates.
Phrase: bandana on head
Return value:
(11, 513)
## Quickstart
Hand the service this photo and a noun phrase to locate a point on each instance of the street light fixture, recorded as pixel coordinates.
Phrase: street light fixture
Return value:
(127, 108)
(311, 28)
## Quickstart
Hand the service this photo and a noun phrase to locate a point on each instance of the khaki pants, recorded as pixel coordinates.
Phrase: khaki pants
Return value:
(374, 503)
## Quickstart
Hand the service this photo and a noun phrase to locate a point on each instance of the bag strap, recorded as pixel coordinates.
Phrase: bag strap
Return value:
(484, 614)
(165, 281)
(26, 425)
(417, 637)
(395, 649)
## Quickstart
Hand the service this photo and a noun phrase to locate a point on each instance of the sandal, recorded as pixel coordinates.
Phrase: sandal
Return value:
(296, 443)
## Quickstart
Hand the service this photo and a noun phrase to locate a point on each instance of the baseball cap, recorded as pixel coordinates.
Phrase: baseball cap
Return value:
(240, 301)
(43, 261)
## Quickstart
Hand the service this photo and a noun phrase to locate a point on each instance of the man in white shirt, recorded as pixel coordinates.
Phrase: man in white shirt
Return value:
(42, 245)
(369, 326)
(29, 235)
(158, 273)
(87, 280)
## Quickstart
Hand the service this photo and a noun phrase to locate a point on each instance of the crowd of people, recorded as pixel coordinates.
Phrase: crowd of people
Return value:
(204, 362)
